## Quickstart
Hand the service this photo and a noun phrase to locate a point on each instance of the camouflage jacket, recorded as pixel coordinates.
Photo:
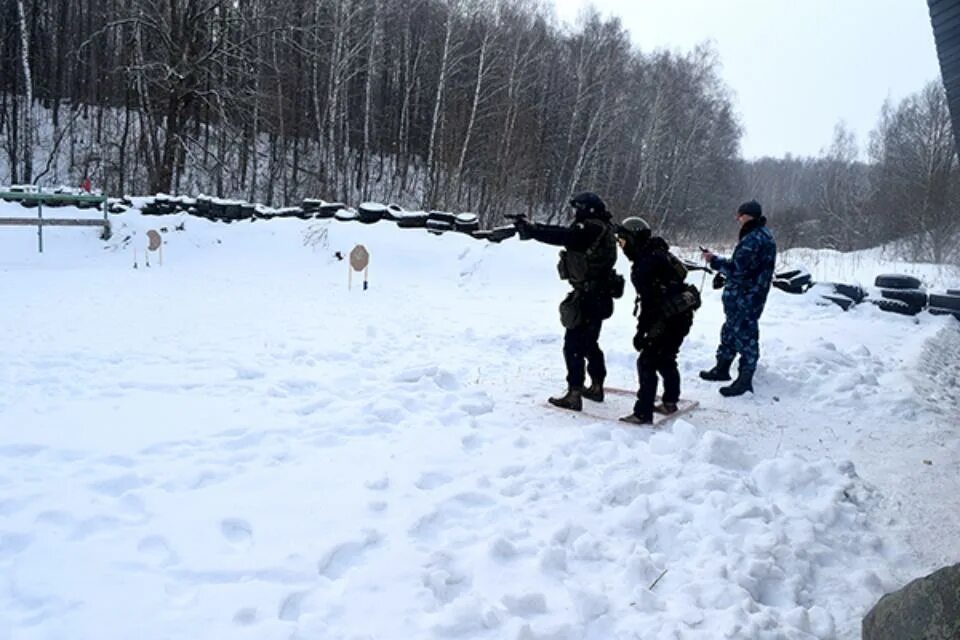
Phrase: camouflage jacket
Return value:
(749, 271)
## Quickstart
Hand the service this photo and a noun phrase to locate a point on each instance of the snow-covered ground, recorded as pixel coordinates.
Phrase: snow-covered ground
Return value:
(235, 445)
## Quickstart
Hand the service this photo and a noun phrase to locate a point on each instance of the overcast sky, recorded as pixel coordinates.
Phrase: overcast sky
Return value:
(795, 67)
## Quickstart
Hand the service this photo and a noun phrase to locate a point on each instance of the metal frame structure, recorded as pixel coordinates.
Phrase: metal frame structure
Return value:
(40, 222)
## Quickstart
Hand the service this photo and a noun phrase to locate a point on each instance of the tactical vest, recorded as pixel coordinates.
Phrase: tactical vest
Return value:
(585, 269)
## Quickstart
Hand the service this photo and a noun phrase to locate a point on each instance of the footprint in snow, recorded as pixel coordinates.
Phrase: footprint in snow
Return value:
(157, 550)
(444, 578)
(244, 373)
(379, 484)
(290, 606)
(346, 555)
(236, 531)
(119, 485)
(245, 617)
(471, 442)
(431, 480)
(20, 450)
(12, 543)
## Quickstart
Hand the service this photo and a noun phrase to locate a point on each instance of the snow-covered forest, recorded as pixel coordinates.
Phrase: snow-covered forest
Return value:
(489, 106)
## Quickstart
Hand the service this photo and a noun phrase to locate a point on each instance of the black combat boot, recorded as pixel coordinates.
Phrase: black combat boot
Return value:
(594, 391)
(719, 373)
(570, 400)
(740, 386)
(635, 419)
(665, 408)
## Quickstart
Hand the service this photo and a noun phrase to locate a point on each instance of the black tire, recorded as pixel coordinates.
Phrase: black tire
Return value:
(467, 223)
(897, 281)
(953, 292)
(787, 275)
(896, 306)
(913, 297)
(311, 205)
(853, 291)
(412, 221)
(202, 207)
(443, 216)
(841, 301)
(798, 277)
(796, 281)
(789, 287)
(951, 302)
(802, 280)
(936, 311)
(438, 226)
(370, 212)
(217, 211)
(329, 209)
(394, 212)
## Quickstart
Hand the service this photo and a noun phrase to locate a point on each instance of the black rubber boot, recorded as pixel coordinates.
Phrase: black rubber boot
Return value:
(570, 400)
(594, 392)
(719, 373)
(740, 386)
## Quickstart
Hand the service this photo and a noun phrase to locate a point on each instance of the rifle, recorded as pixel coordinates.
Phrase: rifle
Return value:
(693, 266)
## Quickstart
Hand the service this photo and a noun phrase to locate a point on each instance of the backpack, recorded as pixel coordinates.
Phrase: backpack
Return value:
(688, 298)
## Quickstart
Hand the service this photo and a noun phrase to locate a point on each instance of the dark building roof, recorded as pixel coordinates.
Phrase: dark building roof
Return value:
(945, 18)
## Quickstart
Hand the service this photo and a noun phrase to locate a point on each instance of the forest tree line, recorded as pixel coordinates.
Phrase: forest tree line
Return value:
(488, 106)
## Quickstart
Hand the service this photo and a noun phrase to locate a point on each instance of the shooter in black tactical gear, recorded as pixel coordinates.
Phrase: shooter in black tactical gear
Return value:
(586, 262)
(665, 306)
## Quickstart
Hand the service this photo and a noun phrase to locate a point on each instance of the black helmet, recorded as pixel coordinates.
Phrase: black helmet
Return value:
(588, 202)
(633, 224)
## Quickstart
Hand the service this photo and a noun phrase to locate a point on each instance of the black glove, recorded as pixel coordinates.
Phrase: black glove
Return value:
(719, 281)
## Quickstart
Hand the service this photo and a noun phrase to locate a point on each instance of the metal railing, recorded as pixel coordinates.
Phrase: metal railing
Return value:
(63, 199)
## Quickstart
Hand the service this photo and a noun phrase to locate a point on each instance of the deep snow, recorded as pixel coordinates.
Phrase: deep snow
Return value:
(236, 445)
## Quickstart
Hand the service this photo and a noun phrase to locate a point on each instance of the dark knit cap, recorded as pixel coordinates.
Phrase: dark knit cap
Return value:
(751, 208)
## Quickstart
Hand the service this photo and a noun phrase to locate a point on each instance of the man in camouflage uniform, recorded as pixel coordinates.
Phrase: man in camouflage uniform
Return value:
(586, 262)
(748, 274)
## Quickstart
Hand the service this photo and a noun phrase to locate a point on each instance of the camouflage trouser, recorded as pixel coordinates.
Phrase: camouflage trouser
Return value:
(740, 334)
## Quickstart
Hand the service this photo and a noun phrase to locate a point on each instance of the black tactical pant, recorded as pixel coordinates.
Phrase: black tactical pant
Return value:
(582, 343)
(660, 357)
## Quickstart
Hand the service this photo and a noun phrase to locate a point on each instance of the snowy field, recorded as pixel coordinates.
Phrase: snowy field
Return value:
(235, 445)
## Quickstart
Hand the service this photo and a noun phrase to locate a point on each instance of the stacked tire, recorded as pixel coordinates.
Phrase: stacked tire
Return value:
(371, 212)
(439, 222)
(900, 294)
(846, 296)
(945, 304)
(794, 281)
